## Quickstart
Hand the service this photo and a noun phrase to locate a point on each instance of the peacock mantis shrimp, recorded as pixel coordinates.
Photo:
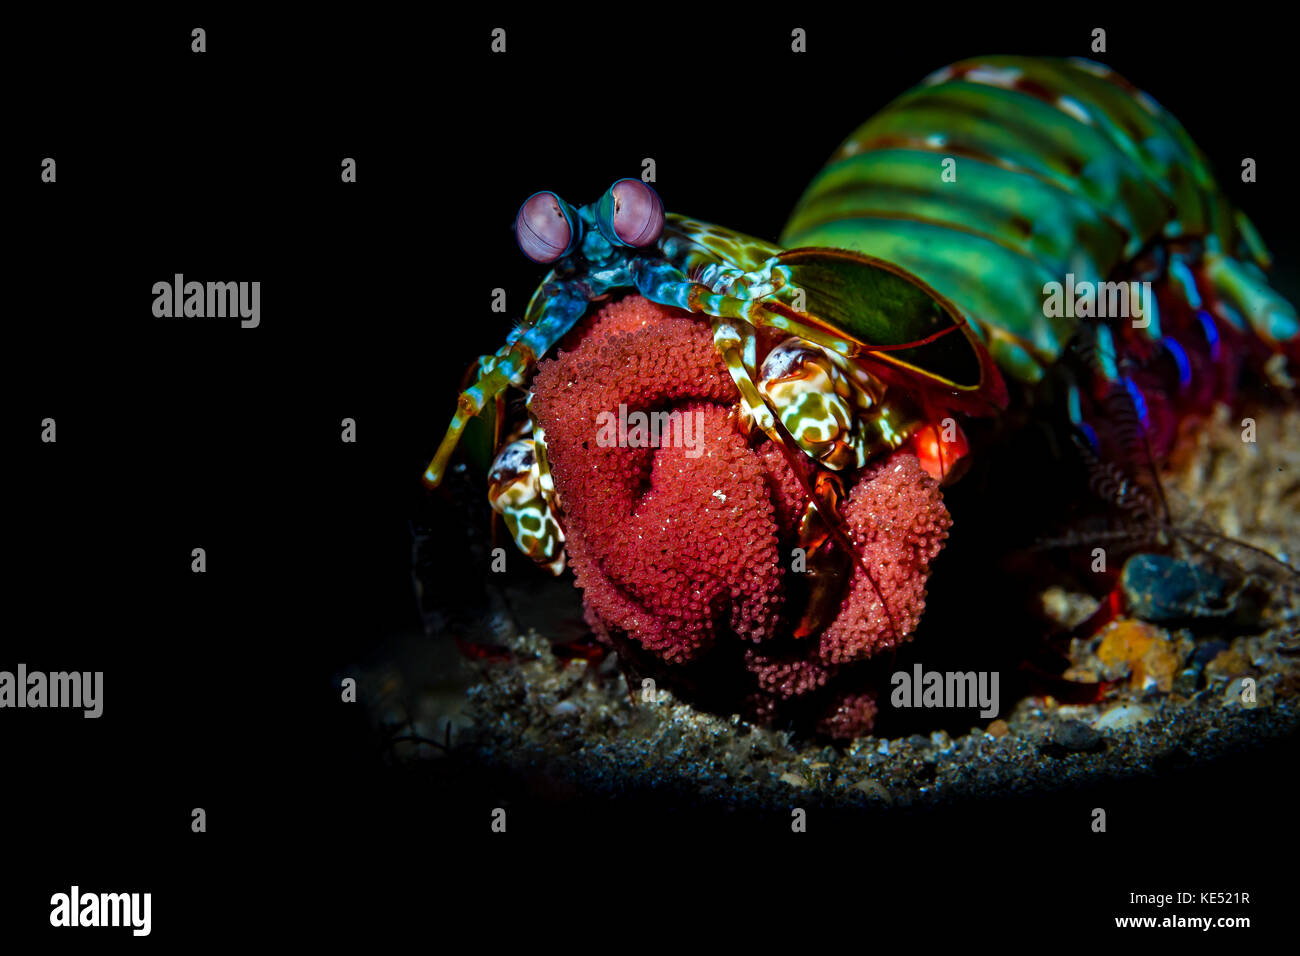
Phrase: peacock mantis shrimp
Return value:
(911, 281)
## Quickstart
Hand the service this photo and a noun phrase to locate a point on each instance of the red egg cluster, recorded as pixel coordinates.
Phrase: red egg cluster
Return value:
(849, 715)
(897, 520)
(786, 675)
(687, 544)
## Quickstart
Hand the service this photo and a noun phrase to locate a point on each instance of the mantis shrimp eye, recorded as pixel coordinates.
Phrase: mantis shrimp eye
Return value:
(544, 227)
(630, 214)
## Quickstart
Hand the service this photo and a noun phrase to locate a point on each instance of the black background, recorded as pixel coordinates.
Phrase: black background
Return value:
(175, 434)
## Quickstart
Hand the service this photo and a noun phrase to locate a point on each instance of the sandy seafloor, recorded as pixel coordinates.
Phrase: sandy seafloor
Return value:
(1176, 701)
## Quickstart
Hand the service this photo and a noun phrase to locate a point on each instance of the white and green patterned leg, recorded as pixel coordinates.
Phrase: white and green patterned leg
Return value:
(518, 492)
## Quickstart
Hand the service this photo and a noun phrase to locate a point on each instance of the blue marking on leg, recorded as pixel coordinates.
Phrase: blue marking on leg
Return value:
(661, 282)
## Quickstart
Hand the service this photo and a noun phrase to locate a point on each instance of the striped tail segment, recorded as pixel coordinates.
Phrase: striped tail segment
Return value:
(1063, 172)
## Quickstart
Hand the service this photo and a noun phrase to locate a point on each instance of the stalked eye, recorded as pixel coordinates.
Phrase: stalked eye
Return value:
(545, 227)
(630, 214)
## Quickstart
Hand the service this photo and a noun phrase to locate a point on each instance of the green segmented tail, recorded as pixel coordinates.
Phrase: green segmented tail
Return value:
(1057, 166)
